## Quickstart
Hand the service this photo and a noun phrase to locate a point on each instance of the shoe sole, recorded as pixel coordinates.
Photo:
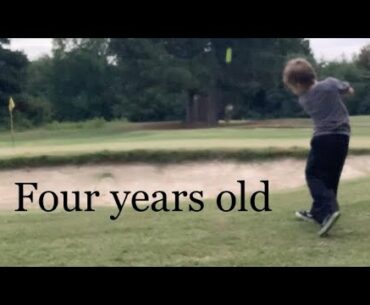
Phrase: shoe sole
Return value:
(331, 222)
(300, 216)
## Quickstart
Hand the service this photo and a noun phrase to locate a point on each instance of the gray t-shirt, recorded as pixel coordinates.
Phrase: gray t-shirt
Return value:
(323, 102)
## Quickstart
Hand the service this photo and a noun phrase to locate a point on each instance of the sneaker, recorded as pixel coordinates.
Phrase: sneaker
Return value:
(304, 215)
(328, 223)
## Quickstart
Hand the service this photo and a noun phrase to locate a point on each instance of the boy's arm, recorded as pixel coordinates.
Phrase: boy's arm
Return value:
(344, 88)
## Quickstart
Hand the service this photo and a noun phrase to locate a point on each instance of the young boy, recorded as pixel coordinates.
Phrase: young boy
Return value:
(322, 100)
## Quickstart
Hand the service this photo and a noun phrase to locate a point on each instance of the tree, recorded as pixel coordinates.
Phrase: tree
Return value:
(12, 80)
(4, 41)
(154, 79)
(154, 82)
(252, 82)
(364, 58)
(183, 67)
(82, 80)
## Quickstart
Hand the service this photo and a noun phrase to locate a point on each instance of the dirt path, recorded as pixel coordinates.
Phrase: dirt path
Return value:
(210, 177)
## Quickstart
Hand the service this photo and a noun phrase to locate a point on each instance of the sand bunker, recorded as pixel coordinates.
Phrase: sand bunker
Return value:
(209, 177)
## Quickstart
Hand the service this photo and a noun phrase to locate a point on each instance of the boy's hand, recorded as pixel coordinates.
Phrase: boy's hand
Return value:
(350, 91)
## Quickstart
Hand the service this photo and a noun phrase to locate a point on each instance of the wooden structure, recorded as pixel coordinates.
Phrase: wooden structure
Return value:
(202, 109)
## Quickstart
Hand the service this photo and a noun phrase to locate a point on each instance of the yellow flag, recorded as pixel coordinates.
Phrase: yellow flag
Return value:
(229, 55)
(11, 105)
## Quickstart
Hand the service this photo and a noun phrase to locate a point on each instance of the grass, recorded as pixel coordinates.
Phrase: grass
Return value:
(99, 141)
(207, 238)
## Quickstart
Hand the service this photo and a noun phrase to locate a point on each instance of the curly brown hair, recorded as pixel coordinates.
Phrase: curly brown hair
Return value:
(299, 71)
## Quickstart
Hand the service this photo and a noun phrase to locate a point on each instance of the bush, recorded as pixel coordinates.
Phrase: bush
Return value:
(90, 124)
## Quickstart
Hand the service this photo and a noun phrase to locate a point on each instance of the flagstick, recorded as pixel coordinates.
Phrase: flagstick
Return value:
(11, 127)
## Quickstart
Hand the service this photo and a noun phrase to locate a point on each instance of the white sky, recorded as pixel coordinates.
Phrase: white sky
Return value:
(335, 48)
(323, 48)
(33, 47)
